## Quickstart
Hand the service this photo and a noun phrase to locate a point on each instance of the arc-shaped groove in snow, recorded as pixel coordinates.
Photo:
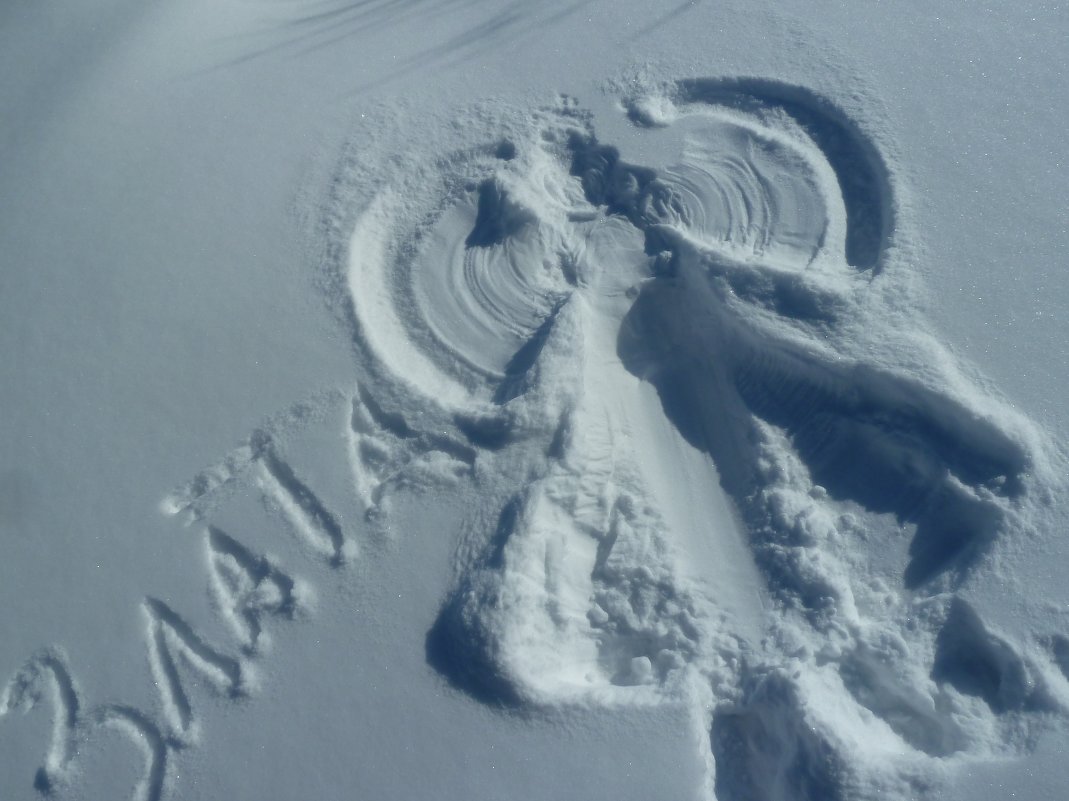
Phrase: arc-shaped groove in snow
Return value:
(863, 176)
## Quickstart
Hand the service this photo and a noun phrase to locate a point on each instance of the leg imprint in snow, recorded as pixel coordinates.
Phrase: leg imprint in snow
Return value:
(620, 346)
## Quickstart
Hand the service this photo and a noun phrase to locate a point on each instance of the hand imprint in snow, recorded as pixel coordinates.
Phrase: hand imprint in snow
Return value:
(669, 376)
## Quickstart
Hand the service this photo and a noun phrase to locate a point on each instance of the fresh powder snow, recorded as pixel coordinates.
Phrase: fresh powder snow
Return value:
(481, 399)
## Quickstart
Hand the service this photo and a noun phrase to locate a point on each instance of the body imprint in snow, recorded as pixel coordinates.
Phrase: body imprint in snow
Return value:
(731, 463)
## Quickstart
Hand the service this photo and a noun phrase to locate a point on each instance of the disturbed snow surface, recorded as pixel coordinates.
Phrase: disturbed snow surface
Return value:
(666, 375)
(716, 478)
